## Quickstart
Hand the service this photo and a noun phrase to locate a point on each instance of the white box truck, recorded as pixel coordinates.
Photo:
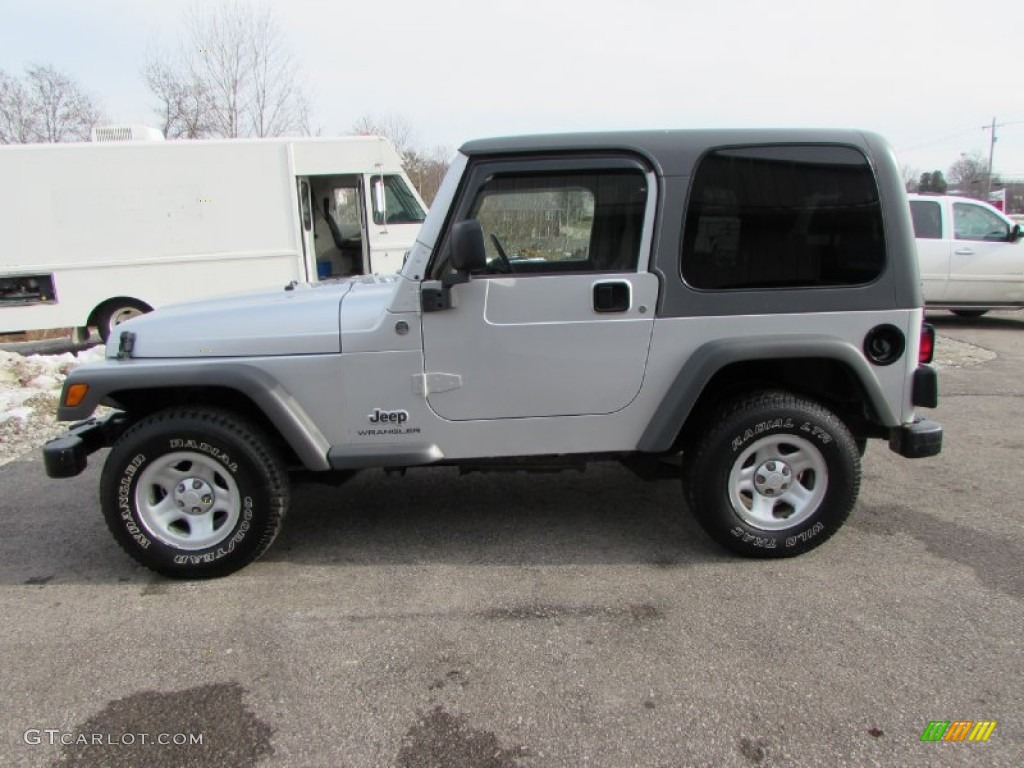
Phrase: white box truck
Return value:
(95, 233)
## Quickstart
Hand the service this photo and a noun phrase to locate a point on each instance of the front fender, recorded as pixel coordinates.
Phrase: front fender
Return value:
(107, 378)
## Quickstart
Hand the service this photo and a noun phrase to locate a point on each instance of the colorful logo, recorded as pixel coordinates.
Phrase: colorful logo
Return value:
(958, 730)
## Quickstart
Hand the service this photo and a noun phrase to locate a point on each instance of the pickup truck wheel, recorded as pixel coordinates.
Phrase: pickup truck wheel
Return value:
(774, 475)
(969, 312)
(194, 492)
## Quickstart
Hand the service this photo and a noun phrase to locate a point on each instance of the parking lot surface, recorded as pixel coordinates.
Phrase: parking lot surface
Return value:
(541, 620)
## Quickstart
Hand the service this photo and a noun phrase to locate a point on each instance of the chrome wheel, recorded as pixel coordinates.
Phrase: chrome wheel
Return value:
(187, 500)
(778, 482)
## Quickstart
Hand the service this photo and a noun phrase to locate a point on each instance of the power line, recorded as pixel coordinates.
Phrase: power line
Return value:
(954, 134)
(929, 142)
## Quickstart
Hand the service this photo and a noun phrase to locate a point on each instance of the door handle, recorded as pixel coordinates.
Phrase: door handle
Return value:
(964, 251)
(611, 296)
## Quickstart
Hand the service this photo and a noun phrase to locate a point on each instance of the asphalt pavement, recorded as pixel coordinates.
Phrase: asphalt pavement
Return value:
(540, 620)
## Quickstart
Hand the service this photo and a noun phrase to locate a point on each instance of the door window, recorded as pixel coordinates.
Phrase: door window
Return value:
(562, 222)
(972, 222)
(346, 211)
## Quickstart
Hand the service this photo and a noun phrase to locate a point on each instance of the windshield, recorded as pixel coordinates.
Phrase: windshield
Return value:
(416, 264)
(400, 202)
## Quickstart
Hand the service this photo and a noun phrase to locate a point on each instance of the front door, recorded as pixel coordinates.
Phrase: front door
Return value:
(987, 264)
(560, 322)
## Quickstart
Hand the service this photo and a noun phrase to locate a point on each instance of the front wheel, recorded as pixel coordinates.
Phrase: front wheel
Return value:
(116, 312)
(774, 475)
(194, 492)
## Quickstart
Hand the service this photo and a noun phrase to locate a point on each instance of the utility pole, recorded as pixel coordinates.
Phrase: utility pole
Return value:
(992, 149)
(991, 153)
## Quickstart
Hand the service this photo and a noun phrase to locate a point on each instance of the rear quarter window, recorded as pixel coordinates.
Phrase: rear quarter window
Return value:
(927, 219)
(792, 216)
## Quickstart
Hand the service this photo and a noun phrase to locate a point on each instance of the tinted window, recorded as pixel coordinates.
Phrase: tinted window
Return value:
(927, 219)
(562, 222)
(783, 216)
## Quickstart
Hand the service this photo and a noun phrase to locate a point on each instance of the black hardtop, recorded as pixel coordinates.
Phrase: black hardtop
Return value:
(671, 152)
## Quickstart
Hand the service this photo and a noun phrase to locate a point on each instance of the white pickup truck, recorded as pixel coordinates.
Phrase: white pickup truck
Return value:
(971, 255)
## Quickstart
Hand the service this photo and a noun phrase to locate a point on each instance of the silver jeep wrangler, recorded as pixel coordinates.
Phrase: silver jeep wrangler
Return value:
(742, 308)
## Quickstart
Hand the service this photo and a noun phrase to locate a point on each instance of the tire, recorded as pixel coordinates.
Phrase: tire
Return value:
(774, 475)
(194, 492)
(969, 313)
(115, 313)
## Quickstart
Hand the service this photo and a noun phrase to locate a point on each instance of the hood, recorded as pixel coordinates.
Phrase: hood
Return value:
(300, 320)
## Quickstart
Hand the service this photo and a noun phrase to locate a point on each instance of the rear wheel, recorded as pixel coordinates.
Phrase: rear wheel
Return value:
(194, 492)
(969, 312)
(774, 475)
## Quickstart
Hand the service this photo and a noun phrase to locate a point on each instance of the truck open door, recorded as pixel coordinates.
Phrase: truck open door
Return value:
(336, 237)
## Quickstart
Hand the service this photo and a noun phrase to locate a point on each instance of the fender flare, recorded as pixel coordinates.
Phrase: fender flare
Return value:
(275, 402)
(688, 385)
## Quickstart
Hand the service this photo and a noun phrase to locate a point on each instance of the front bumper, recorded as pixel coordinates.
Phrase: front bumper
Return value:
(919, 440)
(67, 455)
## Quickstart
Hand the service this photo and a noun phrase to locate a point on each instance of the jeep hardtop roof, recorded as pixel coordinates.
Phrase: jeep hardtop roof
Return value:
(671, 152)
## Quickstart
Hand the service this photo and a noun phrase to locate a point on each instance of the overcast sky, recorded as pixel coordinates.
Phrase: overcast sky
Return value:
(925, 74)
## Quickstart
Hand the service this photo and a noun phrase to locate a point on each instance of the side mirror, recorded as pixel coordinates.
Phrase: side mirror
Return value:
(467, 255)
(1016, 233)
(468, 252)
(380, 199)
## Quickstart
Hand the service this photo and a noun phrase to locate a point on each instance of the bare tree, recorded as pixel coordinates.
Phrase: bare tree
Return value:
(278, 105)
(910, 177)
(396, 128)
(969, 175)
(425, 168)
(48, 106)
(16, 123)
(184, 106)
(233, 76)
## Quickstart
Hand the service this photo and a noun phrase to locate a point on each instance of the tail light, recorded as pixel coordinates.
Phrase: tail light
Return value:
(926, 351)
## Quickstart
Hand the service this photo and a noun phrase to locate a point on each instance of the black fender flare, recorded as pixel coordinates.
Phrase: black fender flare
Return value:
(276, 403)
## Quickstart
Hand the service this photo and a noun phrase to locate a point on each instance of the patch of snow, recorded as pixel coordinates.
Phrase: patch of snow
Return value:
(29, 390)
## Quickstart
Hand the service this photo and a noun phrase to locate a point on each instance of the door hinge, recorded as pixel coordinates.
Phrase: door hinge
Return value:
(429, 383)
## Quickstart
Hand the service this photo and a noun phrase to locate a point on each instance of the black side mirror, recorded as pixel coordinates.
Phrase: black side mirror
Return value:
(467, 255)
(468, 252)
(1016, 233)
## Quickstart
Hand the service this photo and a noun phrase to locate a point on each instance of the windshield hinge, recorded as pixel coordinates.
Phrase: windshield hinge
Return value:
(126, 345)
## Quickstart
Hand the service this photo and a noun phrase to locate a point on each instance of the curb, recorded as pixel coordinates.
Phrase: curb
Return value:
(49, 346)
